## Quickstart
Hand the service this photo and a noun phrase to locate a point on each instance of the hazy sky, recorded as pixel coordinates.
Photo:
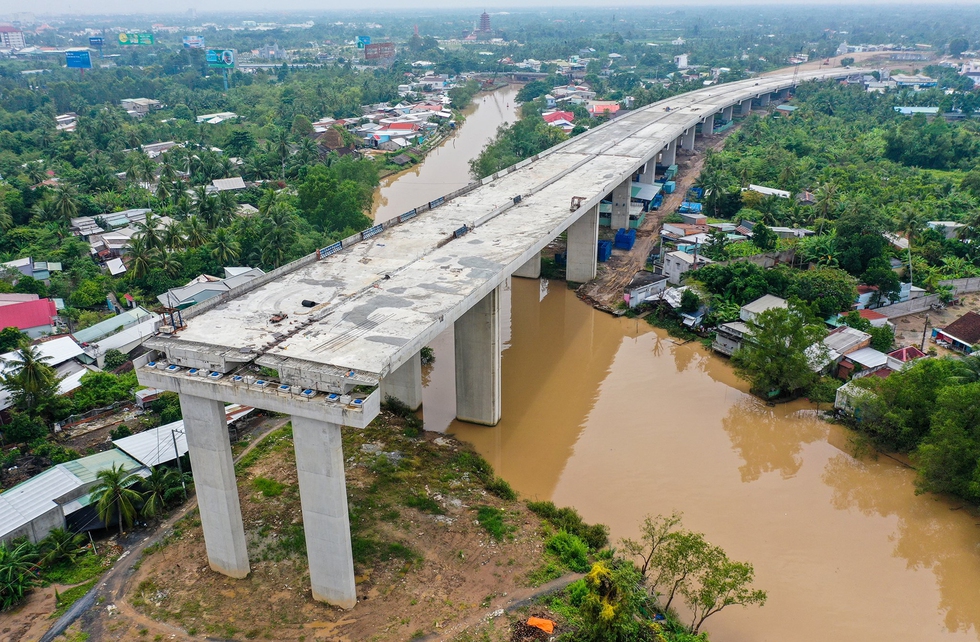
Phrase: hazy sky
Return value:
(41, 7)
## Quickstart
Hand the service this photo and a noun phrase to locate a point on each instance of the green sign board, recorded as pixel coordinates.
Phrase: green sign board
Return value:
(220, 58)
(136, 38)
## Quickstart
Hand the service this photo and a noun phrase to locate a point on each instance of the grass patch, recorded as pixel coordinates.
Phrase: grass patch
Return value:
(424, 504)
(567, 519)
(82, 569)
(275, 440)
(550, 570)
(501, 489)
(69, 597)
(492, 521)
(570, 551)
(268, 487)
(367, 550)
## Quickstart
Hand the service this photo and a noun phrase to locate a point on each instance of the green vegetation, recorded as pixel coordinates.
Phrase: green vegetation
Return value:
(70, 596)
(567, 519)
(268, 487)
(493, 522)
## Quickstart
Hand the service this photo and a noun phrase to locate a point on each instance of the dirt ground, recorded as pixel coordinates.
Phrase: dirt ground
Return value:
(606, 290)
(436, 574)
(908, 330)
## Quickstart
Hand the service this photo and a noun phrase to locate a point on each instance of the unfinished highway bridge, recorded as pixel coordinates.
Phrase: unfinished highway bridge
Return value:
(343, 327)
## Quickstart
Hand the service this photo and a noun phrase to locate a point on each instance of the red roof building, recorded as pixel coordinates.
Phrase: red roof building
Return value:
(559, 115)
(33, 318)
(906, 354)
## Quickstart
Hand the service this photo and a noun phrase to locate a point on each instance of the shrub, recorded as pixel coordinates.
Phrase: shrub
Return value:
(501, 489)
(571, 551)
(424, 503)
(577, 591)
(122, 430)
(23, 429)
(568, 519)
(114, 359)
(268, 487)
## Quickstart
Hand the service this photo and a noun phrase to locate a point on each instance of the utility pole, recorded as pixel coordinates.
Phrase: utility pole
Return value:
(925, 326)
(180, 469)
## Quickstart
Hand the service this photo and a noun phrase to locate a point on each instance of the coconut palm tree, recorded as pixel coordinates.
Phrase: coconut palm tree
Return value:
(36, 172)
(714, 184)
(114, 496)
(910, 223)
(195, 232)
(149, 232)
(60, 544)
(280, 141)
(169, 264)
(142, 257)
(28, 378)
(162, 485)
(826, 199)
(16, 572)
(65, 203)
(173, 237)
(224, 248)
(278, 232)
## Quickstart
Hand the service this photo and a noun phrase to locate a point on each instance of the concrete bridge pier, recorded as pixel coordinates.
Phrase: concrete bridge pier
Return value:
(687, 140)
(708, 126)
(621, 205)
(405, 382)
(323, 495)
(783, 94)
(727, 113)
(583, 246)
(669, 153)
(478, 362)
(764, 100)
(745, 107)
(531, 269)
(214, 483)
(649, 174)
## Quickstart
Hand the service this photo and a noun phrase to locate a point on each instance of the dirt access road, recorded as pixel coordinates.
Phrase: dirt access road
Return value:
(606, 290)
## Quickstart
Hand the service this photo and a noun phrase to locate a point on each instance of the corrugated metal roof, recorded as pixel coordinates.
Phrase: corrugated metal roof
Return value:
(109, 326)
(155, 446)
(87, 468)
(34, 497)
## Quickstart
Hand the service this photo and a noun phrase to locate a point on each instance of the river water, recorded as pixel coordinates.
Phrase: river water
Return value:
(620, 421)
(446, 168)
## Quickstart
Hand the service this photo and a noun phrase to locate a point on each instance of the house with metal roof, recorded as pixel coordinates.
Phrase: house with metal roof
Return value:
(202, 289)
(962, 334)
(122, 332)
(47, 501)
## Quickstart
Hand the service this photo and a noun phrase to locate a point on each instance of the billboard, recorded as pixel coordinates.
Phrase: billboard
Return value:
(78, 59)
(363, 41)
(136, 38)
(193, 42)
(379, 51)
(221, 58)
(96, 42)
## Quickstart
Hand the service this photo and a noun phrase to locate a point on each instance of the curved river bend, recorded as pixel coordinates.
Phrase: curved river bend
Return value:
(618, 420)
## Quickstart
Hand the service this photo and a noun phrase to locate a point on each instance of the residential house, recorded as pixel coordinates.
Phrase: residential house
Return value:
(861, 362)
(58, 352)
(123, 332)
(219, 117)
(226, 184)
(838, 343)
(949, 229)
(40, 270)
(139, 107)
(903, 357)
(917, 81)
(677, 264)
(34, 318)
(66, 122)
(644, 286)
(767, 191)
(205, 287)
(963, 334)
(877, 319)
(729, 337)
(603, 108)
(751, 311)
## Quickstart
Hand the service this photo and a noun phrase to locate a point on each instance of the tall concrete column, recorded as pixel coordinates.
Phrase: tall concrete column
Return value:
(745, 107)
(669, 154)
(726, 114)
(214, 482)
(621, 205)
(764, 100)
(649, 175)
(323, 495)
(687, 140)
(531, 269)
(405, 383)
(583, 247)
(708, 126)
(784, 94)
(478, 362)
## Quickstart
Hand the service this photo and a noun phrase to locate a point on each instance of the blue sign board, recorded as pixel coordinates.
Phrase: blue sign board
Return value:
(363, 41)
(96, 42)
(78, 59)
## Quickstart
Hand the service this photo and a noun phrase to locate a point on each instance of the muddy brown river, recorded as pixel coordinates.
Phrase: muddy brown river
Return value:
(618, 420)
(447, 168)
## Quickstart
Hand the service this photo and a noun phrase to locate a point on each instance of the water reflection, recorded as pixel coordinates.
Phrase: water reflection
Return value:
(932, 533)
(766, 441)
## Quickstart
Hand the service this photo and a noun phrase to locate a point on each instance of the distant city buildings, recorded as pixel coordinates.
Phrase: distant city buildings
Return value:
(11, 37)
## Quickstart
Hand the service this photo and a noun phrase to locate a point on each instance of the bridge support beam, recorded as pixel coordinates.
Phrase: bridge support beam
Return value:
(323, 495)
(726, 114)
(764, 100)
(784, 94)
(649, 172)
(405, 382)
(531, 269)
(214, 482)
(478, 362)
(669, 153)
(687, 140)
(745, 107)
(583, 247)
(621, 205)
(708, 126)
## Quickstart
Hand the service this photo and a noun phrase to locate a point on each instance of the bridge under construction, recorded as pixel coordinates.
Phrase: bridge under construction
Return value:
(343, 327)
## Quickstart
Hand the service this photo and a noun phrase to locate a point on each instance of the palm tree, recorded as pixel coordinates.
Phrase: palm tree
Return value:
(280, 140)
(147, 230)
(714, 185)
(142, 257)
(169, 264)
(16, 572)
(278, 231)
(826, 199)
(60, 544)
(28, 378)
(910, 223)
(967, 369)
(162, 485)
(224, 248)
(164, 190)
(114, 496)
(173, 237)
(65, 204)
(139, 167)
(6, 220)
(36, 172)
(195, 232)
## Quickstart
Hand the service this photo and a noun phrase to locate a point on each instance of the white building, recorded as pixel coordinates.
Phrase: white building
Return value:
(11, 37)
(678, 263)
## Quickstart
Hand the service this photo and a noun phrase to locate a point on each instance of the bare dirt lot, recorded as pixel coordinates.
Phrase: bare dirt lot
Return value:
(908, 330)
(424, 564)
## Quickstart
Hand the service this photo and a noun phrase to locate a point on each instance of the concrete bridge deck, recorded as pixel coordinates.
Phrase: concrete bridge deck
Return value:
(381, 300)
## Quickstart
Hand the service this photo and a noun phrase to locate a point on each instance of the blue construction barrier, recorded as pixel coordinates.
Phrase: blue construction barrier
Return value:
(625, 239)
(604, 251)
